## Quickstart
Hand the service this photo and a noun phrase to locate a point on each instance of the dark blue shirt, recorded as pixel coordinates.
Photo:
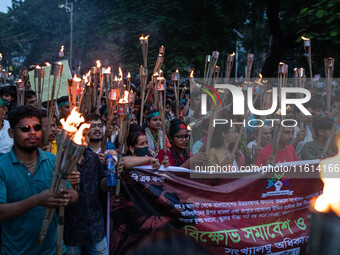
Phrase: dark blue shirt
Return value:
(84, 220)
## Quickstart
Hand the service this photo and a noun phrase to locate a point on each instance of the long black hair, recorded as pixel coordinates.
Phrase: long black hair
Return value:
(132, 139)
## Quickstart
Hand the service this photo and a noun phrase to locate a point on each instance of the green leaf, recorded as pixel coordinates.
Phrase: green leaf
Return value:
(334, 33)
(319, 14)
(304, 10)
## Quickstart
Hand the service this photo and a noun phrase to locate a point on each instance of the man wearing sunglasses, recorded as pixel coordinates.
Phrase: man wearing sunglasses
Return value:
(25, 179)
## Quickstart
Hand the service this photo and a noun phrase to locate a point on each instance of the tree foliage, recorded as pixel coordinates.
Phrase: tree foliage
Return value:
(109, 30)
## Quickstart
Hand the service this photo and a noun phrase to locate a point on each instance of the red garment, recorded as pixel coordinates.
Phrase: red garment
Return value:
(287, 155)
(172, 161)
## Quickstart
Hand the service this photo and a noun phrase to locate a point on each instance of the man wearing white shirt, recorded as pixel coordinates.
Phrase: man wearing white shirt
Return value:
(5, 140)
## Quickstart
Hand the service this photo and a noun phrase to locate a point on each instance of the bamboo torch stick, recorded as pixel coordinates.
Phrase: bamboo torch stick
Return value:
(307, 44)
(282, 81)
(20, 92)
(329, 70)
(122, 112)
(214, 109)
(144, 75)
(250, 61)
(58, 72)
(301, 78)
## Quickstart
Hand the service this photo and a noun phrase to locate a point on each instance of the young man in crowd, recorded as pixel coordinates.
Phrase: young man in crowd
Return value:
(266, 138)
(51, 146)
(302, 136)
(63, 107)
(285, 151)
(84, 221)
(30, 98)
(8, 93)
(5, 140)
(25, 178)
(312, 150)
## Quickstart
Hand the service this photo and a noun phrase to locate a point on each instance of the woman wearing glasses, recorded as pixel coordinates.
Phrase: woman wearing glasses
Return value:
(179, 139)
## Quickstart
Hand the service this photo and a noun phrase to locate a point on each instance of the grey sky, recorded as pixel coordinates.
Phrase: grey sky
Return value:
(4, 4)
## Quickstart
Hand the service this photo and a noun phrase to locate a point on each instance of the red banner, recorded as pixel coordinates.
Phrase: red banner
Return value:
(228, 216)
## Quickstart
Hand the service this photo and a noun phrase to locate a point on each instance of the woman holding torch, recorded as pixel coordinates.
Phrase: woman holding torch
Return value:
(154, 134)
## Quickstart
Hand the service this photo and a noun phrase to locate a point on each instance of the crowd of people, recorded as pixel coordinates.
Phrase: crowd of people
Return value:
(27, 162)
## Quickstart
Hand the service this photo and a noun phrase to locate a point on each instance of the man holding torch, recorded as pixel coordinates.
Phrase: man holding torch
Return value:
(25, 177)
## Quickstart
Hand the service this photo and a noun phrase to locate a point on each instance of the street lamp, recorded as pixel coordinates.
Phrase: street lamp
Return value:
(69, 8)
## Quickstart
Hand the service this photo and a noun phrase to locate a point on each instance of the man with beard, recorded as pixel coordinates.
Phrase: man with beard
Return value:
(25, 178)
(285, 151)
(51, 146)
(84, 221)
(96, 135)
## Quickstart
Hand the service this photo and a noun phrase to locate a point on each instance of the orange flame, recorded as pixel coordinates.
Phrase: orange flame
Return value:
(98, 64)
(120, 73)
(305, 38)
(144, 38)
(62, 48)
(73, 121)
(38, 67)
(260, 75)
(76, 78)
(128, 75)
(116, 79)
(107, 70)
(329, 201)
(192, 74)
(125, 98)
(189, 128)
(47, 64)
(78, 137)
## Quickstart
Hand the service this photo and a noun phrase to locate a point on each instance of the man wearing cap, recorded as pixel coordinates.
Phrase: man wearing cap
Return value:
(5, 140)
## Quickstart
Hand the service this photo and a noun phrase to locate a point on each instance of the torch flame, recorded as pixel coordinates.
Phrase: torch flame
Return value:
(144, 38)
(107, 70)
(305, 38)
(125, 98)
(233, 54)
(47, 64)
(260, 75)
(76, 78)
(177, 70)
(189, 128)
(116, 79)
(330, 199)
(128, 75)
(62, 48)
(98, 64)
(78, 137)
(73, 121)
(120, 72)
(38, 67)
